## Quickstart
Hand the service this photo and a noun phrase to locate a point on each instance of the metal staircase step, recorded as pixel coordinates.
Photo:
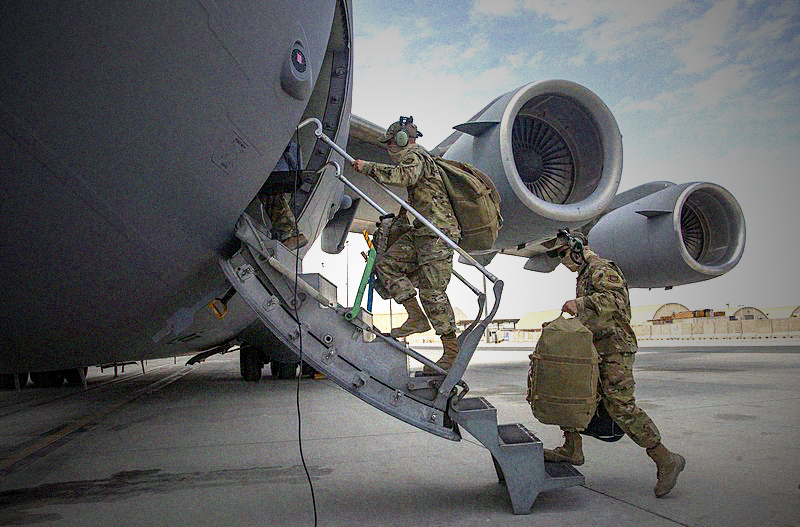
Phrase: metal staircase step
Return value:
(561, 475)
(301, 311)
(515, 434)
(517, 454)
(473, 403)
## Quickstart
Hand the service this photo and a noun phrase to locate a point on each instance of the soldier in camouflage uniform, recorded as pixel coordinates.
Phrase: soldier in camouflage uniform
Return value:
(284, 224)
(279, 206)
(603, 306)
(419, 259)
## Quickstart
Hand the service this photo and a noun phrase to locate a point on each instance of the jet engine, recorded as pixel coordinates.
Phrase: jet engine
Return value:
(677, 235)
(554, 151)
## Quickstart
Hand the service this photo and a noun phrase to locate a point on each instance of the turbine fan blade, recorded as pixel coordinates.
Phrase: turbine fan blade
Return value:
(543, 159)
(692, 232)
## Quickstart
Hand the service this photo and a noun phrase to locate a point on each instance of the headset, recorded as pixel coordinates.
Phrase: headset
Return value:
(401, 137)
(570, 241)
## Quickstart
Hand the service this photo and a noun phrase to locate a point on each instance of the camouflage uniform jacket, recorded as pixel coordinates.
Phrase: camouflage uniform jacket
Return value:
(604, 306)
(426, 193)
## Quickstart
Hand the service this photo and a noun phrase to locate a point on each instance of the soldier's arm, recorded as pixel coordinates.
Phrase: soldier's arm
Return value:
(404, 174)
(598, 308)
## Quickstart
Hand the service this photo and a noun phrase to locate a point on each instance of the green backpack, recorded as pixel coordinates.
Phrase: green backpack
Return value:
(475, 201)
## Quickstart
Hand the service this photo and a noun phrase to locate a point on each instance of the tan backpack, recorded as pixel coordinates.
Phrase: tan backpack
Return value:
(475, 201)
(564, 374)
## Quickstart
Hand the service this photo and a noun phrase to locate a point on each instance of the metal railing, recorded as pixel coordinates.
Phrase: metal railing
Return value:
(468, 340)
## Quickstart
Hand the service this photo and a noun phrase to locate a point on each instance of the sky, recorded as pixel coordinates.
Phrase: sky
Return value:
(701, 91)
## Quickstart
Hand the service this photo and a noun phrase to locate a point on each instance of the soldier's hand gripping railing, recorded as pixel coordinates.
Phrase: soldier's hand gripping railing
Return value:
(468, 340)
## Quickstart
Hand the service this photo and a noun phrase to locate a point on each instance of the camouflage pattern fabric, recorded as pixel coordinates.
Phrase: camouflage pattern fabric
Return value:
(617, 386)
(420, 260)
(603, 304)
(279, 210)
(604, 307)
(417, 171)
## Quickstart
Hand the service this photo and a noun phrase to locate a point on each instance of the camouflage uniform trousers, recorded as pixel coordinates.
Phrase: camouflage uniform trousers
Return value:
(279, 210)
(420, 261)
(617, 386)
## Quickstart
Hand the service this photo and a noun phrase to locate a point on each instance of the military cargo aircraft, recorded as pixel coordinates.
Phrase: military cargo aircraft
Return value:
(136, 136)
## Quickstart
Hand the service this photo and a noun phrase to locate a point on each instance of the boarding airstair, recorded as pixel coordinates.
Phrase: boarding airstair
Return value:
(302, 311)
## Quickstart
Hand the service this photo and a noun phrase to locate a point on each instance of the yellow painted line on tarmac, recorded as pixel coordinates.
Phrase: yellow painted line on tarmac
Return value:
(41, 443)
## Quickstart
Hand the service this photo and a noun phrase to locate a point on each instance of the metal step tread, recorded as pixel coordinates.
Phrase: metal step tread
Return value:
(515, 434)
(561, 475)
(560, 469)
(473, 403)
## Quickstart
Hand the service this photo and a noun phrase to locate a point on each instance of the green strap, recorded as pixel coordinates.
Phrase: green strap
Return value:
(350, 315)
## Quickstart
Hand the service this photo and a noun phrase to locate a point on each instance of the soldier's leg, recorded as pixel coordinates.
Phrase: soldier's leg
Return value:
(393, 269)
(433, 275)
(284, 223)
(280, 214)
(617, 384)
(616, 378)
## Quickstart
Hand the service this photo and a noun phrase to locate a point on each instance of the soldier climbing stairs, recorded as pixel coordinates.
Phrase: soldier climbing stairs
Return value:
(301, 310)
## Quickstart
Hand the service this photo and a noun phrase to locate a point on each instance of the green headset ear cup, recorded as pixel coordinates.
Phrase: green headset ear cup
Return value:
(401, 138)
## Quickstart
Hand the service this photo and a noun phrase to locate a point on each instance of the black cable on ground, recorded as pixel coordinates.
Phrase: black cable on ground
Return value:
(300, 342)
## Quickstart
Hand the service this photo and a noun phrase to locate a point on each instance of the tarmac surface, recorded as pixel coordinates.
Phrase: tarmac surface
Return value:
(198, 446)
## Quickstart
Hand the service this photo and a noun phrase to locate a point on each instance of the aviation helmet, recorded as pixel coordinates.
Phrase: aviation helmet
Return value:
(401, 130)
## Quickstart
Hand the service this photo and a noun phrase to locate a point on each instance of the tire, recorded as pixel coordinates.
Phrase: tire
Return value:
(283, 370)
(250, 364)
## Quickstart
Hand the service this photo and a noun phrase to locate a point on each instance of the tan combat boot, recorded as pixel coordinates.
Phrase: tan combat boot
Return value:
(416, 322)
(445, 362)
(295, 242)
(668, 465)
(571, 451)
(450, 345)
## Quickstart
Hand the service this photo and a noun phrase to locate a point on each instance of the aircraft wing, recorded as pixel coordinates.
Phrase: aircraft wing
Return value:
(554, 152)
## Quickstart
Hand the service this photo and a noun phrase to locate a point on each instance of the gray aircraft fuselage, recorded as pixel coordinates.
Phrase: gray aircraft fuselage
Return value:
(133, 136)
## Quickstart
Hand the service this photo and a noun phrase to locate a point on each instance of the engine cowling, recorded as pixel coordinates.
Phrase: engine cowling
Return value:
(554, 151)
(679, 235)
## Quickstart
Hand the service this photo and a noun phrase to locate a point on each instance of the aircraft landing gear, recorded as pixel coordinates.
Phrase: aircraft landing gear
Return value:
(283, 370)
(250, 363)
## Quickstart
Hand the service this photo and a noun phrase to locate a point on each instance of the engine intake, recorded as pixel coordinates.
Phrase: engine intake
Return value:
(554, 151)
(682, 234)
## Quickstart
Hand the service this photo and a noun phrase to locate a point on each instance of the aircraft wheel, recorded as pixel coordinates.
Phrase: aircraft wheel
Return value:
(7, 380)
(250, 364)
(73, 376)
(283, 370)
(47, 379)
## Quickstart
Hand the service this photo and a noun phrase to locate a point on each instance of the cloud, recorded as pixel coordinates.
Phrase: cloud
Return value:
(707, 36)
(721, 84)
(629, 105)
(381, 47)
(496, 7)
(577, 60)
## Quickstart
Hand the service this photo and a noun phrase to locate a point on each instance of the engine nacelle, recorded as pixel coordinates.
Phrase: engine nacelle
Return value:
(679, 235)
(554, 151)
